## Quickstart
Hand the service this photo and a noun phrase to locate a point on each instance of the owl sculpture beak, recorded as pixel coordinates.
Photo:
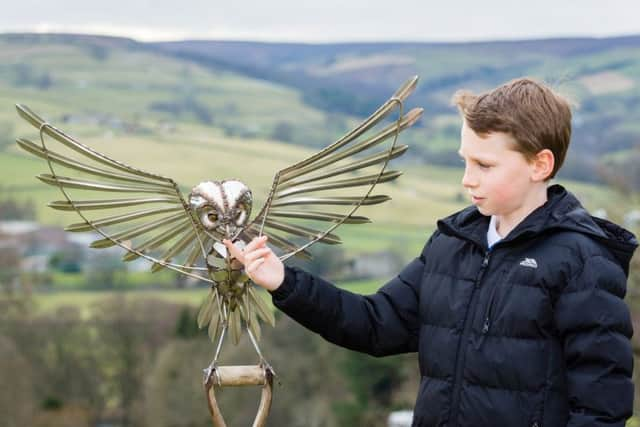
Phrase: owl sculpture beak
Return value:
(230, 230)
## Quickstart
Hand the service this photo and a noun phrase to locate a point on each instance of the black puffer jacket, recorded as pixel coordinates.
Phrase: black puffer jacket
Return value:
(533, 332)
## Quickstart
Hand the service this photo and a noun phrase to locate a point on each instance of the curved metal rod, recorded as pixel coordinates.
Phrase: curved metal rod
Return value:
(239, 376)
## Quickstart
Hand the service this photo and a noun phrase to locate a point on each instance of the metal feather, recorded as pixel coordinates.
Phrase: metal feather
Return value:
(86, 151)
(119, 219)
(178, 247)
(360, 164)
(84, 205)
(204, 314)
(99, 186)
(336, 200)
(157, 240)
(214, 325)
(319, 216)
(235, 325)
(136, 231)
(264, 311)
(75, 165)
(299, 230)
(343, 183)
(374, 140)
(383, 111)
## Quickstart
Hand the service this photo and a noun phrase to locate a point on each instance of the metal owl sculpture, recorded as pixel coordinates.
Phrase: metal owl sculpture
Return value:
(149, 216)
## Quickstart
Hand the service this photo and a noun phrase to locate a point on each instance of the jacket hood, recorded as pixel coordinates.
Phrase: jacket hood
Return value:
(562, 211)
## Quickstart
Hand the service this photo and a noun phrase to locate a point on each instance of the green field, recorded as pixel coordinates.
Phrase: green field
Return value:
(84, 300)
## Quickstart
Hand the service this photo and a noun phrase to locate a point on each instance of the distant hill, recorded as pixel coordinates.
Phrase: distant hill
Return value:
(309, 94)
(377, 67)
(602, 76)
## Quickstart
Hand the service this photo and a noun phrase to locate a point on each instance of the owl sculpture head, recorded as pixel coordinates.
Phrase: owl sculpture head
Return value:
(222, 206)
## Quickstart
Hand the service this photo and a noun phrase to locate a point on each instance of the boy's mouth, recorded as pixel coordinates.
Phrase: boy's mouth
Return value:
(475, 199)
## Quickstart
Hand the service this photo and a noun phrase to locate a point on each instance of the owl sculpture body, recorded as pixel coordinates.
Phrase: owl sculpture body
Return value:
(223, 208)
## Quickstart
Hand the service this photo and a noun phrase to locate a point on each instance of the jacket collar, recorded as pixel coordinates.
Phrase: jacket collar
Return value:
(562, 211)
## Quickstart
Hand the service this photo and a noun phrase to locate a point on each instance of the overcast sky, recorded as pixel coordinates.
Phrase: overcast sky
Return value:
(326, 20)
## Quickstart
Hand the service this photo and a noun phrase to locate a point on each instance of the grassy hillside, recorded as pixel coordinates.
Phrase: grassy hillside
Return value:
(134, 89)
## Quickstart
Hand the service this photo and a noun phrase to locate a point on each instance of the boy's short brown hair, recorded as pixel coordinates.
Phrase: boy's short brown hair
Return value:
(533, 114)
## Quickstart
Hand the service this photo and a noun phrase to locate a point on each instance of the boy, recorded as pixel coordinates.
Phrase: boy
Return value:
(515, 304)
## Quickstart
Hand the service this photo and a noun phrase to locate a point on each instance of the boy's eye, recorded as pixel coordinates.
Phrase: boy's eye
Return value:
(484, 166)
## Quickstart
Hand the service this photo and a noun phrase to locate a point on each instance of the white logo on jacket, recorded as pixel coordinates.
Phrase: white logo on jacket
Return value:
(529, 262)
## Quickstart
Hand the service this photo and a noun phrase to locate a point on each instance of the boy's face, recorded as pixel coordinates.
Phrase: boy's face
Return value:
(499, 179)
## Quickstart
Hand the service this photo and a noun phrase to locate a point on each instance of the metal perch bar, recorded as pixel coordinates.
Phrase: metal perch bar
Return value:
(240, 376)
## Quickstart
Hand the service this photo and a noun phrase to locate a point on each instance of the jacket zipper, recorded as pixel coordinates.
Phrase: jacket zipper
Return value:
(457, 385)
(486, 325)
(487, 313)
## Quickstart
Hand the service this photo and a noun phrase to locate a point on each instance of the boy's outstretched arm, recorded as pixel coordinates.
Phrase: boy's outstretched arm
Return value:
(379, 324)
(595, 324)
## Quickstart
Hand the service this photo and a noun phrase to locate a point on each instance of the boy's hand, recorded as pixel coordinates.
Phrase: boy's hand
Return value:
(260, 263)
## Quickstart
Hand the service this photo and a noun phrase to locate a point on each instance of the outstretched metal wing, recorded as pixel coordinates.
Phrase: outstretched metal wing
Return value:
(294, 215)
(145, 213)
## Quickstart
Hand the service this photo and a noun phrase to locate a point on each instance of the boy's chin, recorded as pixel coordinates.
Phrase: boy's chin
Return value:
(484, 211)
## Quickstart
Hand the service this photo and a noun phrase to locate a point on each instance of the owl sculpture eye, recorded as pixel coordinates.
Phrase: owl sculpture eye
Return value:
(209, 218)
(240, 216)
(243, 209)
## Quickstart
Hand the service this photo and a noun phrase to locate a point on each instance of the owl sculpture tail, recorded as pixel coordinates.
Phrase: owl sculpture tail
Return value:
(232, 303)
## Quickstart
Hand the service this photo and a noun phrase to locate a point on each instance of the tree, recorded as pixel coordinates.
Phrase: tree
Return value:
(328, 262)
(17, 403)
(61, 358)
(67, 260)
(9, 267)
(173, 391)
(187, 326)
(131, 333)
(372, 382)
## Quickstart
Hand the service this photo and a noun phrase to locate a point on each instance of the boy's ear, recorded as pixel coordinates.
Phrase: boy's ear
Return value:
(542, 165)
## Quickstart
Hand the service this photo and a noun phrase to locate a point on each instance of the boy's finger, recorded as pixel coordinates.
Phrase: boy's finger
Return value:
(233, 250)
(256, 243)
(258, 253)
(251, 268)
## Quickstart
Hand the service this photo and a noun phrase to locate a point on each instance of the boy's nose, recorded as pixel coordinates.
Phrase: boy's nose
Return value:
(468, 180)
